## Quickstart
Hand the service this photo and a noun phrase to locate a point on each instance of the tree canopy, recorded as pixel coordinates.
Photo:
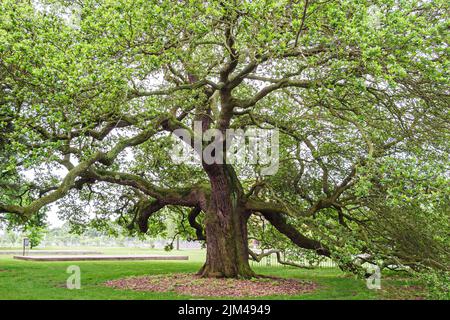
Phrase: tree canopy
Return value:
(91, 91)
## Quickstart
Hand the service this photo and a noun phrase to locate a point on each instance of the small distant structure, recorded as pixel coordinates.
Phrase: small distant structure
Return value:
(26, 246)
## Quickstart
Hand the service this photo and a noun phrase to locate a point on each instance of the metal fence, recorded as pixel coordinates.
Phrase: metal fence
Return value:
(272, 261)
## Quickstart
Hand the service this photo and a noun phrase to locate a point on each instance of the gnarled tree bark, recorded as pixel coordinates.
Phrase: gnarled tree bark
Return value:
(226, 227)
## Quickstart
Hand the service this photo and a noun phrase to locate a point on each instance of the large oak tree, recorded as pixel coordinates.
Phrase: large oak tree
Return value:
(91, 91)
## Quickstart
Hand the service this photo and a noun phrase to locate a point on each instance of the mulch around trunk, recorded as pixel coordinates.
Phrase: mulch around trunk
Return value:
(193, 285)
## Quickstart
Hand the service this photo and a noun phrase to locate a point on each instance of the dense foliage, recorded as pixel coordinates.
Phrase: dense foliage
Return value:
(92, 89)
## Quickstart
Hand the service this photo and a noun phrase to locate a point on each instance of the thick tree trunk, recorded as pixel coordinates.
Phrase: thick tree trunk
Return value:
(227, 246)
(226, 228)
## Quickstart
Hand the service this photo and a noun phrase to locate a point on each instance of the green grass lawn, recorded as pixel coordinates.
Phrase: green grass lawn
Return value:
(47, 280)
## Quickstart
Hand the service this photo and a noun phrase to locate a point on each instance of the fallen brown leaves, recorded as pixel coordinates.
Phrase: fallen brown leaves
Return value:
(193, 285)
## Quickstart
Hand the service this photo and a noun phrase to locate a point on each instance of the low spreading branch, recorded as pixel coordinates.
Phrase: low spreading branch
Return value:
(258, 257)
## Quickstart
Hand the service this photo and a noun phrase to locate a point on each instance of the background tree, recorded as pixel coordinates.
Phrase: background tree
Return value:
(92, 90)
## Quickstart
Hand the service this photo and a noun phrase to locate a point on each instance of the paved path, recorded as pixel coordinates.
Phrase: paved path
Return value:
(48, 252)
(99, 258)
